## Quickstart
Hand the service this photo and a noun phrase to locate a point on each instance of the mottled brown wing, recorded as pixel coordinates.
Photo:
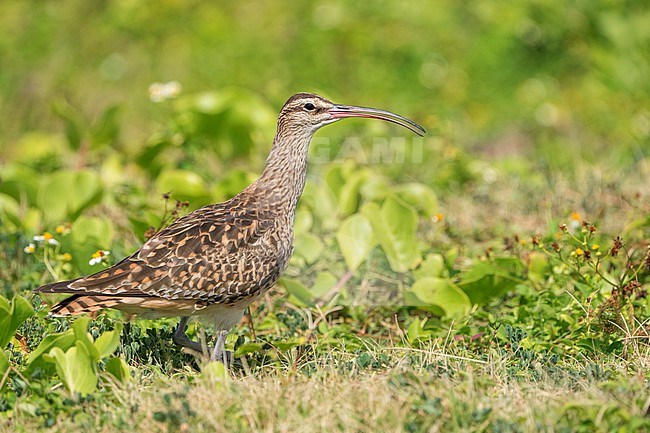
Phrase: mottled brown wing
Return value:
(168, 264)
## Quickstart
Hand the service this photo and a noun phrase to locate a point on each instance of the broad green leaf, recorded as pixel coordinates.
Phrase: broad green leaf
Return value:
(298, 293)
(439, 295)
(64, 195)
(80, 329)
(75, 368)
(247, 348)
(486, 280)
(62, 340)
(20, 182)
(107, 129)
(433, 265)
(322, 202)
(108, 341)
(118, 369)
(308, 247)
(420, 196)
(183, 184)
(12, 315)
(374, 187)
(74, 122)
(335, 179)
(4, 366)
(303, 222)
(356, 239)
(348, 197)
(324, 282)
(395, 225)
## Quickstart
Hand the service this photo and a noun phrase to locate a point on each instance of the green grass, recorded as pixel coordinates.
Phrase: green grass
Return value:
(465, 304)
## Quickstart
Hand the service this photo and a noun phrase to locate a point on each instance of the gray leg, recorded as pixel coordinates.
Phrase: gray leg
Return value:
(181, 339)
(219, 354)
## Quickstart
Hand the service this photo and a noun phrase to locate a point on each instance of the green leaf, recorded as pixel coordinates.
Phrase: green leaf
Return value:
(420, 196)
(433, 265)
(75, 368)
(108, 341)
(395, 226)
(183, 184)
(298, 293)
(117, 368)
(356, 239)
(438, 295)
(309, 247)
(12, 315)
(4, 366)
(107, 128)
(486, 280)
(74, 123)
(324, 282)
(303, 222)
(62, 340)
(348, 198)
(80, 329)
(247, 348)
(65, 194)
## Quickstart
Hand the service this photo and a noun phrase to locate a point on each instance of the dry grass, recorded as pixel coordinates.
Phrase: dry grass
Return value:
(420, 390)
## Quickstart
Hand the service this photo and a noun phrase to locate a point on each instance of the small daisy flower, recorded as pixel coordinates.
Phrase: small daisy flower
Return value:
(159, 92)
(66, 257)
(439, 217)
(98, 257)
(30, 249)
(62, 229)
(47, 238)
(579, 252)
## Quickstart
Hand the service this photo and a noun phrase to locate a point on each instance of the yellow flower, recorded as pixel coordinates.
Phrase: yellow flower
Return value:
(595, 247)
(98, 256)
(575, 216)
(579, 252)
(67, 257)
(439, 217)
(47, 236)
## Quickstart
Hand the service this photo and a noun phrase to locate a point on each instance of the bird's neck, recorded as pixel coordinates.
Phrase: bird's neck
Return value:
(283, 179)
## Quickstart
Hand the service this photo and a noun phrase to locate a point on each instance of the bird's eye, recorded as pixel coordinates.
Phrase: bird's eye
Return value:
(309, 106)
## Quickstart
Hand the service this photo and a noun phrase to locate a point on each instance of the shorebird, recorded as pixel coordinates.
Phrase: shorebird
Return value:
(213, 262)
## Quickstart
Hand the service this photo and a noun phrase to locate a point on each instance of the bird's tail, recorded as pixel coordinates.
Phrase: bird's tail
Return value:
(77, 304)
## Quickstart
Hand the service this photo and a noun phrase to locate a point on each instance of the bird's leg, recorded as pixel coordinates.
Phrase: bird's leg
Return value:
(180, 338)
(219, 354)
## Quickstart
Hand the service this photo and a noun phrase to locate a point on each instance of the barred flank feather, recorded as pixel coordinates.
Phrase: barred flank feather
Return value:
(78, 304)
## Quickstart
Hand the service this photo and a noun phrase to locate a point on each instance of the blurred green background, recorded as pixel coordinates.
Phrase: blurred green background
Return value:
(534, 109)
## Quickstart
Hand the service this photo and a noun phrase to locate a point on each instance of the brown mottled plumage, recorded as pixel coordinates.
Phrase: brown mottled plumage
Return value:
(213, 262)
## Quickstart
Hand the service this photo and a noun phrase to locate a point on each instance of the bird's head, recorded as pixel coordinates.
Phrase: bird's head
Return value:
(310, 112)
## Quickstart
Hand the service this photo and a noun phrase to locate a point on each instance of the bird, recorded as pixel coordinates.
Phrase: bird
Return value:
(212, 263)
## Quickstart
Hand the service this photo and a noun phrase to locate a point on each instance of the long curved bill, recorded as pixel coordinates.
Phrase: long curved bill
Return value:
(345, 111)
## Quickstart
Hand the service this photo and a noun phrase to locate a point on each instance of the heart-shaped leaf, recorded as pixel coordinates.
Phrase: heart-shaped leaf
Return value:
(356, 239)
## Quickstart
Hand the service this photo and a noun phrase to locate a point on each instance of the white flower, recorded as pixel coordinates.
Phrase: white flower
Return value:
(98, 257)
(159, 92)
(46, 237)
(29, 249)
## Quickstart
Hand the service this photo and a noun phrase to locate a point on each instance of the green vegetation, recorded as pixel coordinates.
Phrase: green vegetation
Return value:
(492, 276)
